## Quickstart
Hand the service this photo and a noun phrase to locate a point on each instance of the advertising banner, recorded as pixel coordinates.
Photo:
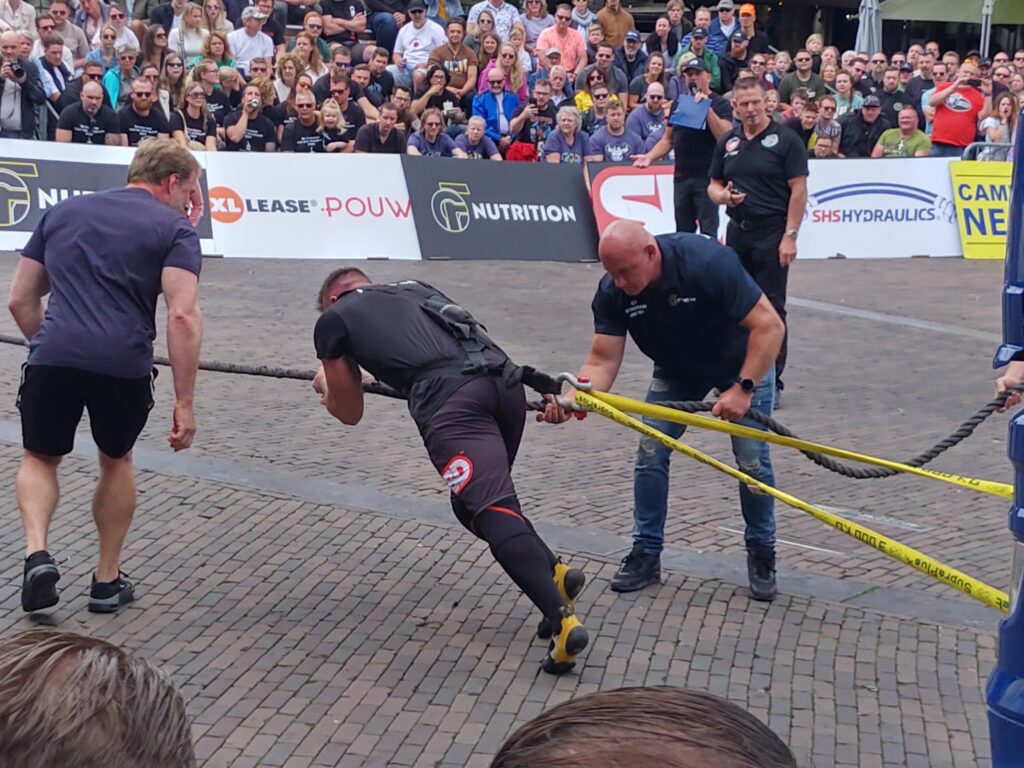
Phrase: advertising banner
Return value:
(981, 191)
(483, 210)
(298, 206)
(35, 176)
(855, 208)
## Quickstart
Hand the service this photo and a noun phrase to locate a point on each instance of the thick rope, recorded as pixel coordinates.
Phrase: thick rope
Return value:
(961, 433)
(964, 431)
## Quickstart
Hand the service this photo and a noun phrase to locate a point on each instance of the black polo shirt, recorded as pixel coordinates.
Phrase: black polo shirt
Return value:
(688, 322)
(761, 168)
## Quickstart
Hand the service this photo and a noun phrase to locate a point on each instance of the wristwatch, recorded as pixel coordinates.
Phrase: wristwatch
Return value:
(792, 233)
(747, 385)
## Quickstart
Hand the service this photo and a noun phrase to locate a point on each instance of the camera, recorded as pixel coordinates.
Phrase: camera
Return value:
(974, 83)
(533, 102)
(17, 70)
(254, 103)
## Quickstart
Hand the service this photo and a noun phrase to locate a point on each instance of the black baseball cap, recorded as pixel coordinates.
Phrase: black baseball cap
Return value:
(699, 32)
(872, 101)
(738, 36)
(695, 63)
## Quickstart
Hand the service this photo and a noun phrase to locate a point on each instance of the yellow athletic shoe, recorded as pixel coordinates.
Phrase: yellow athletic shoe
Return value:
(570, 582)
(571, 640)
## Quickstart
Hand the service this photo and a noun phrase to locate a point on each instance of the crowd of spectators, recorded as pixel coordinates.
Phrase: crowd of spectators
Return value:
(554, 82)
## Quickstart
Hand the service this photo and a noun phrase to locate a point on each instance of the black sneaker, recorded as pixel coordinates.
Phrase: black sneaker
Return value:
(109, 596)
(39, 589)
(761, 574)
(638, 570)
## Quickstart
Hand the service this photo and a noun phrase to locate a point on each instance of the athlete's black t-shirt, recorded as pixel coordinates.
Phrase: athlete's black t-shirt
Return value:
(194, 128)
(302, 138)
(138, 127)
(390, 336)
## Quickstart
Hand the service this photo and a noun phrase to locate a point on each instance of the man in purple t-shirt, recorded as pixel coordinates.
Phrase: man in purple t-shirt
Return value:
(92, 348)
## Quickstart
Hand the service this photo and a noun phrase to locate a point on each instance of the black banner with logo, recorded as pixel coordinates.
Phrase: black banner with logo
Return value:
(31, 187)
(478, 209)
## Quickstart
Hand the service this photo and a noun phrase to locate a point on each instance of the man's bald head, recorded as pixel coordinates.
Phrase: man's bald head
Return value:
(630, 255)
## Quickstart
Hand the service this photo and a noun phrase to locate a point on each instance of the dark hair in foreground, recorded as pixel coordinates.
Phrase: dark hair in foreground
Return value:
(331, 279)
(640, 727)
(79, 702)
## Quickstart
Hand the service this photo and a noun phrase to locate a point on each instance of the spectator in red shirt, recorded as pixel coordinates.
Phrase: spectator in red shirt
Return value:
(959, 105)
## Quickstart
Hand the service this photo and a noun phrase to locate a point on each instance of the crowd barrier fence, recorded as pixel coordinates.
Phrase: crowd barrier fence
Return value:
(401, 207)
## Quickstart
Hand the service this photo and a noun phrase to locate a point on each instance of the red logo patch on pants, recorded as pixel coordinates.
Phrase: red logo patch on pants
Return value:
(457, 473)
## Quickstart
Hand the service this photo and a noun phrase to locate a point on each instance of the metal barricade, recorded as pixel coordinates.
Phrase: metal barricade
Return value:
(987, 151)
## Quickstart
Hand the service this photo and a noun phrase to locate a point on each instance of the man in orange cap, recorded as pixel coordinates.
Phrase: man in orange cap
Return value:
(757, 41)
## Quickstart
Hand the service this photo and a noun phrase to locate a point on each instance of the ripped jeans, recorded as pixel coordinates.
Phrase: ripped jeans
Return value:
(650, 473)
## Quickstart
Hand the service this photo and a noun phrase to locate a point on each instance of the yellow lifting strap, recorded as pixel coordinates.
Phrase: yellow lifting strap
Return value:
(600, 402)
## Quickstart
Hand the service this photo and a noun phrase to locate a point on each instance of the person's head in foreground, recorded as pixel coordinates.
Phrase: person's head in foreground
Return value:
(72, 701)
(659, 727)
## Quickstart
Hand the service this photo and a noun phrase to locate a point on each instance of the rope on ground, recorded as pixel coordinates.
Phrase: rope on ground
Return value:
(970, 586)
(961, 433)
(662, 413)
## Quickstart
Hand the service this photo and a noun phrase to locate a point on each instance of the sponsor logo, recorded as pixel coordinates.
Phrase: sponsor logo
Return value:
(227, 206)
(770, 140)
(732, 144)
(878, 203)
(454, 210)
(675, 300)
(457, 473)
(15, 197)
(643, 194)
(958, 102)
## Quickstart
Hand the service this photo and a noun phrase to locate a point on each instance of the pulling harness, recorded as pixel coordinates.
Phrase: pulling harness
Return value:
(472, 339)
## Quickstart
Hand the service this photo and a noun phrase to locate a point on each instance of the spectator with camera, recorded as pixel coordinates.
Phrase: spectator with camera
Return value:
(20, 90)
(960, 104)
(532, 123)
(248, 129)
(437, 95)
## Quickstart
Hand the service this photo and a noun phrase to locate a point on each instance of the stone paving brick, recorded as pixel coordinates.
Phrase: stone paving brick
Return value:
(307, 634)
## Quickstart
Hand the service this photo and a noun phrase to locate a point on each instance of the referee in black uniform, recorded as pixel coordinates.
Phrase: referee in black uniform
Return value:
(759, 172)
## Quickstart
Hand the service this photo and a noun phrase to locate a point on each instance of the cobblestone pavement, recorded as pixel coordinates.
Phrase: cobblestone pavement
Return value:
(315, 629)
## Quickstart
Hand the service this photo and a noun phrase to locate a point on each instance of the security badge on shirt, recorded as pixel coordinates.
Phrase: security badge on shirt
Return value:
(735, 144)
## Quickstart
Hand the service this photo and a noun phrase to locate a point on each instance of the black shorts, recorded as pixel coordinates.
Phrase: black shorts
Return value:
(51, 399)
(472, 440)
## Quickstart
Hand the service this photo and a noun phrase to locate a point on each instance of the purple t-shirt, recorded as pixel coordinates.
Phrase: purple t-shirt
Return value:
(442, 146)
(485, 150)
(642, 122)
(104, 271)
(616, 149)
(569, 153)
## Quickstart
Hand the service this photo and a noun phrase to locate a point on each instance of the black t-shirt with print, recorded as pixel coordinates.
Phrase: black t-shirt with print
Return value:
(258, 133)
(138, 127)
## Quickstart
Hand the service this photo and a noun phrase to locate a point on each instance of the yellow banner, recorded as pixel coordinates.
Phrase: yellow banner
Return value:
(981, 192)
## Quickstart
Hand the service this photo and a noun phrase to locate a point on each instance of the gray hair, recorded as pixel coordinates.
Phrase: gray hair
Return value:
(72, 700)
(476, 118)
(571, 112)
(126, 49)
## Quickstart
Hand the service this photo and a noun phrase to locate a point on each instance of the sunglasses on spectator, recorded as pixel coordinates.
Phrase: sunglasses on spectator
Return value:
(432, 124)
(159, 35)
(600, 95)
(174, 64)
(757, 63)
(339, 91)
(143, 94)
(126, 57)
(1018, 58)
(46, 27)
(508, 55)
(802, 58)
(652, 97)
(416, 12)
(109, 37)
(315, 26)
(564, 18)
(495, 82)
(58, 13)
(826, 109)
(197, 95)
(117, 15)
(304, 106)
